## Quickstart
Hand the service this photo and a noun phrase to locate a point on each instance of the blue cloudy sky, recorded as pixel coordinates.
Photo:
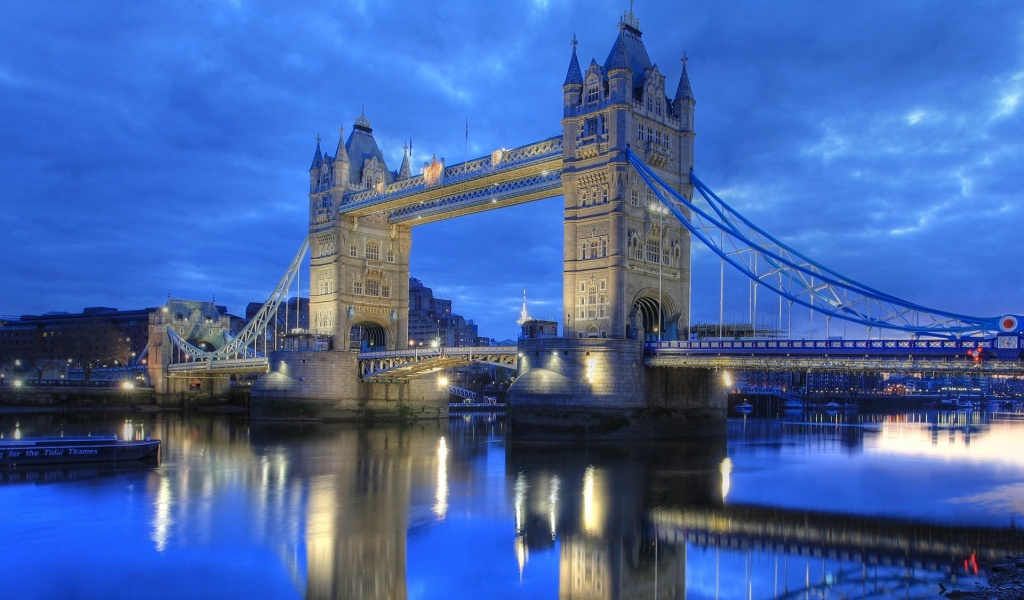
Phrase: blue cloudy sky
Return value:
(151, 148)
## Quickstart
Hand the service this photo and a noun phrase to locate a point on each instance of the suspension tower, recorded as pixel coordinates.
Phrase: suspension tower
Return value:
(359, 266)
(626, 269)
(627, 266)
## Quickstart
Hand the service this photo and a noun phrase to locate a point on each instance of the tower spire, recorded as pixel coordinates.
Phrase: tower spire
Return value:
(523, 315)
(318, 157)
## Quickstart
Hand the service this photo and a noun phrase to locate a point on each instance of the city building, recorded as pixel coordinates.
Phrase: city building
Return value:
(432, 322)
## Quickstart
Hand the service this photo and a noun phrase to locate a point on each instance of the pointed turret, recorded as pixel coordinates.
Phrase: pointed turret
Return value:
(314, 169)
(318, 157)
(405, 172)
(683, 103)
(574, 76)
(341, 166)
(683, 91)
(572, 89)
(620, 80)
(618, 58)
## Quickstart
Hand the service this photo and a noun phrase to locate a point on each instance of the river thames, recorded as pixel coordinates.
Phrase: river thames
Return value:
(808, 505)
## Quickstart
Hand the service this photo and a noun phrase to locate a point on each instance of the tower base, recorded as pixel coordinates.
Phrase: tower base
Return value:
(325, 386)
(600, 389)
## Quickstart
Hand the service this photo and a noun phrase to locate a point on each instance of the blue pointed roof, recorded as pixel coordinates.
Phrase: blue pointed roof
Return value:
(361, 146)
(683, 92)
(318, 159)
(629, 50)
(574, 76)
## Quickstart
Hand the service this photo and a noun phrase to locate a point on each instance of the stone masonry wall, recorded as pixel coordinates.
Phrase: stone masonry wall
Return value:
(325, 386)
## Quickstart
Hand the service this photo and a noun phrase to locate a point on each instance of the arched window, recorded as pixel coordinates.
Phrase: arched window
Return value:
(636, 250)
(373, 250)
(653, 245)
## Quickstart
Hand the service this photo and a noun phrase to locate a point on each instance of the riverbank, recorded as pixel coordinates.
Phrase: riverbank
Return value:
(1005, 581)
(47, 399)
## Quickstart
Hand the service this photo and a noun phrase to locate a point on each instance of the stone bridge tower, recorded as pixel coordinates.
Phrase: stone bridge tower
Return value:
(359, 266)
(627, 262)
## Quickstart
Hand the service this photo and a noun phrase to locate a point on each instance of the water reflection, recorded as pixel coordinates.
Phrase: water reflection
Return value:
(597, 502)
(856, 505)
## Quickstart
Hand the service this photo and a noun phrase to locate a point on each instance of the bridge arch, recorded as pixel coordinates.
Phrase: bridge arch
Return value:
(368, 336)
(646, 319)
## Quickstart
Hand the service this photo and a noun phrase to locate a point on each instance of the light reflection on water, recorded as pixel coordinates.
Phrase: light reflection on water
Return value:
(811, 505)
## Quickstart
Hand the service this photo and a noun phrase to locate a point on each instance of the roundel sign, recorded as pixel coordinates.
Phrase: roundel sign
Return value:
(1008, 323)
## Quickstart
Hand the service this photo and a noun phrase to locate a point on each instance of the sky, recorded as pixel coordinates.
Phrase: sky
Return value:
(152, 149)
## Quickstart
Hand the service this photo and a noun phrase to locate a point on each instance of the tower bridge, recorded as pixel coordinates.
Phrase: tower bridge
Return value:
(624, 166)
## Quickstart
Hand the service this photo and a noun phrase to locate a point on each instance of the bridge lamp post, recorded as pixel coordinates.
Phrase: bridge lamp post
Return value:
(661, 210)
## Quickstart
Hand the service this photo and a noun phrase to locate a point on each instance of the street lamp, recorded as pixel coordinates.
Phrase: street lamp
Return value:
(661, 210)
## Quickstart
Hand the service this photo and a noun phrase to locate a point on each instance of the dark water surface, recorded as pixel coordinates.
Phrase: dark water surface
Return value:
(808, 506)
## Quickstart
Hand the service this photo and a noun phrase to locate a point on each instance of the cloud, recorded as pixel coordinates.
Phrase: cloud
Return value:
(151, 149)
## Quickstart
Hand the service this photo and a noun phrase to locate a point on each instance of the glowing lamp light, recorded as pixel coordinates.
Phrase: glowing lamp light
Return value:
(727, 379)
(442, 382)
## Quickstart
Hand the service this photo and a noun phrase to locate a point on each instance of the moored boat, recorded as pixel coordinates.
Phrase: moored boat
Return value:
(744, 408)
(75, 449)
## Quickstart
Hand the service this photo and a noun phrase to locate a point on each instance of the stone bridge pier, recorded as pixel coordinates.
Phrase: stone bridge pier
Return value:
(600, 388)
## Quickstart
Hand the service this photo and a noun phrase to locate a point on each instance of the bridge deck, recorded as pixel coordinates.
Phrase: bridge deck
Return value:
(376, 367)
(506, 177)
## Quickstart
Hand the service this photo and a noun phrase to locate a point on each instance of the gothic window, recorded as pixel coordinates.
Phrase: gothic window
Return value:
(649, 133)
(639, 131)
(325, 244)
(593, 196)
(583, 251)
(373, 287)
(372, 250)
(593, 249)
(650, 101)
(357, 288)
(653, 245)
(636, 250)
(590, 127)
(391, 255)
(385, 290)
(604, 246)
(650, 197)
(604, 195)
(593, 92)
(353, 251)
(634, 196)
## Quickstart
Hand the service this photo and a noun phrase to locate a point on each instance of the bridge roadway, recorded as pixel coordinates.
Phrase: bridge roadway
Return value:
(901, 355)
(378, 367)
(893, 355)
